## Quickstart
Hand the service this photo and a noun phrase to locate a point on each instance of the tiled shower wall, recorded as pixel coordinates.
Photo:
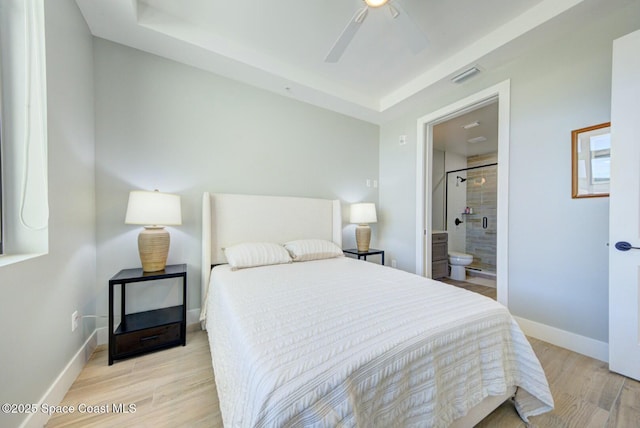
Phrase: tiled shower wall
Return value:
(482, 186)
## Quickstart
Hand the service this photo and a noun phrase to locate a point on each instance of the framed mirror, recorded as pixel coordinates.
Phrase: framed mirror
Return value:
(591, 161)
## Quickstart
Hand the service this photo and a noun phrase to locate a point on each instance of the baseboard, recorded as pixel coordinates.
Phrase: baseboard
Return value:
(193, 324)
(193, 316)
(103, 335)
(63, 382)
(565, 339)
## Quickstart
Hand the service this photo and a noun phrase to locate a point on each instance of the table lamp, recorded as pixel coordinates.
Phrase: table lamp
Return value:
(154, 210)
(362, 214)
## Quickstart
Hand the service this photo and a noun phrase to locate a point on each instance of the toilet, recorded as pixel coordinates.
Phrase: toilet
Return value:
(458, 261)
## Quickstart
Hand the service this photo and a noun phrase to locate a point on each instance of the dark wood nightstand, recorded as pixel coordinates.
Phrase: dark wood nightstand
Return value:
(147, 331)
(364, 254)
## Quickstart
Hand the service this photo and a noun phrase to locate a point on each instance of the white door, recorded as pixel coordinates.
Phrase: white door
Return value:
(624, 209)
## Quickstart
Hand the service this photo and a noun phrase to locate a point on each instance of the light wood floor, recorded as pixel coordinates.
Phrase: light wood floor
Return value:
(480, 289)
(176, 387)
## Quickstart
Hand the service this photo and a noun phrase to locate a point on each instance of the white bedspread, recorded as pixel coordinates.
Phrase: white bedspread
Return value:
(342, 342)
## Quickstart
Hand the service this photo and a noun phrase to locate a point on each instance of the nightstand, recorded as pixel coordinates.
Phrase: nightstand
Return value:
(147, 331)
(364, 254)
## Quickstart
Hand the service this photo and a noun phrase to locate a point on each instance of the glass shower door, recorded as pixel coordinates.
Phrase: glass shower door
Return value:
(482, 196)
(471, 214)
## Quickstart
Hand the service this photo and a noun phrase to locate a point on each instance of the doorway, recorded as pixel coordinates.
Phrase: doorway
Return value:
(496, 95)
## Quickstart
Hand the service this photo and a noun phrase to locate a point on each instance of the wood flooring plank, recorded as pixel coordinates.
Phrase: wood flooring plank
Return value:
(504, 416)
(626, 409)
(578, 375)
(476, 288)
(572, 412)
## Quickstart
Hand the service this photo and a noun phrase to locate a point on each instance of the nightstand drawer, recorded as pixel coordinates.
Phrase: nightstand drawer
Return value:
(147, 339)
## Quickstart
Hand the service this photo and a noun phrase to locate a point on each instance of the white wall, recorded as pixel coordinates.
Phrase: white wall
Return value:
(165, 125)
(557, 245)
(443, 162)
(39, 295)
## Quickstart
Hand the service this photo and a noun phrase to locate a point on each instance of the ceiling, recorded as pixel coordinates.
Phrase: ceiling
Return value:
(280, 45)
(451, 136)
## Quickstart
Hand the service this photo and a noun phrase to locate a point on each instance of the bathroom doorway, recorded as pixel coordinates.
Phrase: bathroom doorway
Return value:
(465, 156)
(433, 159)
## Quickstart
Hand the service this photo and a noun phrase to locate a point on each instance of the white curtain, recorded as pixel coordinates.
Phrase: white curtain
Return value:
(34, 206)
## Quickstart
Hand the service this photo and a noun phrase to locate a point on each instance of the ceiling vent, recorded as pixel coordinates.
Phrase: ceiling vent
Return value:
(459, 78)
(471, 125)
(477, 140)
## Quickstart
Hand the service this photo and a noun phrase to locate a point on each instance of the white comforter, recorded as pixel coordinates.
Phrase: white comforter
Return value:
(342, 342)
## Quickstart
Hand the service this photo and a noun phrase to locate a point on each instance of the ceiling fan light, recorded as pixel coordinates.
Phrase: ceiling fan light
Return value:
(375, 3)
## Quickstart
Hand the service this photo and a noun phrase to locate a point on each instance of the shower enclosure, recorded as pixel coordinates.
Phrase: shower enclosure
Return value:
(471, 214)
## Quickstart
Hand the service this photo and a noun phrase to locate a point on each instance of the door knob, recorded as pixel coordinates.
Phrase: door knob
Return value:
(625, 246)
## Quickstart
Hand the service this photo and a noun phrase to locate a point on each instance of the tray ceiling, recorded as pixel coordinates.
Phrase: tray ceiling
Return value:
(281, 45)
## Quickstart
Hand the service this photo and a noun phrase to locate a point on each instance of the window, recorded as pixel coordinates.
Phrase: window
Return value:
(591, 161)
(1, 181)
(600, 158)
(23, 132)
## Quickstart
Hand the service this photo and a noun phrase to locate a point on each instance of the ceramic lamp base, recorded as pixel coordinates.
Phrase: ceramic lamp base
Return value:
(153, 245)
(363, 237)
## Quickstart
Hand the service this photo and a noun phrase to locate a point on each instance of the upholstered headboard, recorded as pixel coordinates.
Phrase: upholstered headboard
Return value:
(229, 219)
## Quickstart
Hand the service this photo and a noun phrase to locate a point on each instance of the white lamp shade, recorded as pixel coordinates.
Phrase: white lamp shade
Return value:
(153, 208)
(363, 213)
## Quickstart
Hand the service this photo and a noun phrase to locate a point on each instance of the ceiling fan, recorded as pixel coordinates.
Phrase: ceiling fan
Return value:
(415, 38)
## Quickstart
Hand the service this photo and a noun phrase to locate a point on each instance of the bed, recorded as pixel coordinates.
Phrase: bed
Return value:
(334, 341)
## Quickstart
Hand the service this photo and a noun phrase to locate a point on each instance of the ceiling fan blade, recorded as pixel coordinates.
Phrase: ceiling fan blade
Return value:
(347, 35)
(413, 35)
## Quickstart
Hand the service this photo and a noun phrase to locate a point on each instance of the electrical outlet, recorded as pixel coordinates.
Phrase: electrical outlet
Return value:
(75, 319)
(394, 263)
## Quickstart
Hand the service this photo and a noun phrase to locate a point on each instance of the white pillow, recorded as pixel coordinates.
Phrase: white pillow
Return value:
(312, 249)
(256, 254)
